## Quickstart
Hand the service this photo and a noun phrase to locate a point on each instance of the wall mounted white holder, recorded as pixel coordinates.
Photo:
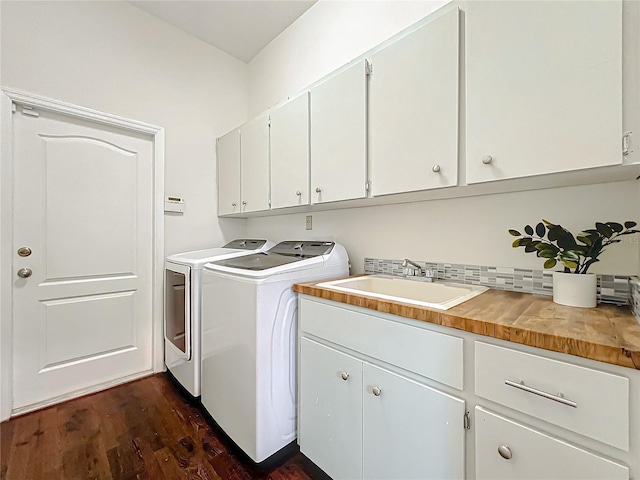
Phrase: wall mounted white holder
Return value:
(575, 290)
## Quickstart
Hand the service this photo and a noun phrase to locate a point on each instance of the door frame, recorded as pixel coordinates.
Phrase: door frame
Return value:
(9, 98)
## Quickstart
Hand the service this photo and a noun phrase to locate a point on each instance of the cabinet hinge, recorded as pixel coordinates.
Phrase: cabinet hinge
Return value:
(626, 141)
(367, 186)
(467, 421)
(269, 203)
(27, 110)
(13, 108)
(368, 67)
(269, 122)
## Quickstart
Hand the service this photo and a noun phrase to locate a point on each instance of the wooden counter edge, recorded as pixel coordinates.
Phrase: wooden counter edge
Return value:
(622, 355)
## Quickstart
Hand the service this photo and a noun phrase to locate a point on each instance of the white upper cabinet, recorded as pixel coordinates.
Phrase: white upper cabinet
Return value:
(254, 161)
(339, 136)
(229, 173)
(290, 153)
(543, 87)
(413, 109)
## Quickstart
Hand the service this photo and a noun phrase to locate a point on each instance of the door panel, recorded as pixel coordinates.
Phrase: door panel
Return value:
(83, 212)
(410, 430)
(83, 203)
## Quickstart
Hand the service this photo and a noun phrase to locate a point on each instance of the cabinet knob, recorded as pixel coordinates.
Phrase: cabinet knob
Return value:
(298, 193)
(377, 391)
(344, 375)
(487, 159)
(233, 204)
(244, 203)
(318, 190)
(24, 272)
(505, 452)
(436, 168)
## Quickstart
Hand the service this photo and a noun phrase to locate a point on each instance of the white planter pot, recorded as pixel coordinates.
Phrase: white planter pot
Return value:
(575, 290)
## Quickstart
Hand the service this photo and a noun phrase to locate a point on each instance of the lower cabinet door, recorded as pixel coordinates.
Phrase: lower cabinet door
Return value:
(410, 431)
(508, 450)
(330, 416)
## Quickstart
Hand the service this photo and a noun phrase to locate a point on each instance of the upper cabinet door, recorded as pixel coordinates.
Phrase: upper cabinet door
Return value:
(339, 136)
(413, 110)
(290, 153)
(229, 173)
(543, 87)
(254, 172)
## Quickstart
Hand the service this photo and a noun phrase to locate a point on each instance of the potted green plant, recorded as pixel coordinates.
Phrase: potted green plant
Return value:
(573, 286)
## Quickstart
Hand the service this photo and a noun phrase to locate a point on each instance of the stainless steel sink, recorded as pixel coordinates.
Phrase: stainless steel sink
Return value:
(439, 295)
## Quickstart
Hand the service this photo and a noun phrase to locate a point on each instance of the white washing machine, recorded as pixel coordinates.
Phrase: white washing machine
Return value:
(249, 319)
(182, 326)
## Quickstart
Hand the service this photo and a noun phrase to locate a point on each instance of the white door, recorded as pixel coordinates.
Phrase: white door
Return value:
(254, 165)
(339, 136)
(82, 299)
(290, 153)
(229, 173)
(413, 110)
(330, 413)
(409, 430)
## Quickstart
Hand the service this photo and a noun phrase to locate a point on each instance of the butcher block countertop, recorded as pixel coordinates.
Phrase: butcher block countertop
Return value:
(607, 333)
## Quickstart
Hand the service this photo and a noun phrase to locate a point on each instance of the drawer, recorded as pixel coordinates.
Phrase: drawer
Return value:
(534, 454)
(597, 403)
(430, 354)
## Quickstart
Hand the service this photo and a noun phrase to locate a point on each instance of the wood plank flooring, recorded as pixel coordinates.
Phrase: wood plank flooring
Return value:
(143, 430)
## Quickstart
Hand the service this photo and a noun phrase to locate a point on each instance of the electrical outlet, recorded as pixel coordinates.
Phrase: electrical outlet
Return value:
(309, 222)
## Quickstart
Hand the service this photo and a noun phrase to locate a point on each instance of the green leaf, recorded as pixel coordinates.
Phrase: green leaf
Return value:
(547, 254)
(515, 233)
(569, 264)
(585, 240)
(516, 243)
(604, 229)
(555, 233)
(616, 227)
(548, 223)
(528, 230)
(570, 255)
(540, 229)
(531, 247)
(629, 224)
(525, 241)
(567, 241)
(550, 263)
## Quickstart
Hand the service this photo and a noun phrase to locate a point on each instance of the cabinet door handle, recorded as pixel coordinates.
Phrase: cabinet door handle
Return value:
(487, 159)
(377, 391)
(344, 375)
(298, 193)
(556, 398)
(505, 452)
(435, 168)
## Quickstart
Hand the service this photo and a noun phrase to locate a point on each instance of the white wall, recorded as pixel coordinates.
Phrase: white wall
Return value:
(113, 57)
(466, 230)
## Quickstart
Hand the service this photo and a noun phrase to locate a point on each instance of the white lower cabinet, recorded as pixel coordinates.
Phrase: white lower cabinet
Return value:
(358, 419)
(508, 450)
(369, 408)
(409, 430)
(330, 420)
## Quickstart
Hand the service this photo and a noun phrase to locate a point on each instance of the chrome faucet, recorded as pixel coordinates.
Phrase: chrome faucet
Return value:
(418, 272)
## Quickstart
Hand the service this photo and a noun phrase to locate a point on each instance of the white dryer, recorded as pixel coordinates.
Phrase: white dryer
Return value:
(249, 319)
(182, 326)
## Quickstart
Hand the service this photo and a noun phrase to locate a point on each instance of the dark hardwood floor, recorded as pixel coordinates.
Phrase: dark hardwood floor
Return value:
(141, 430)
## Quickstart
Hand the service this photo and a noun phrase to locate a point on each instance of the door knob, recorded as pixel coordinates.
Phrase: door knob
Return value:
(24, 272)
(505, 452)
(24, 251)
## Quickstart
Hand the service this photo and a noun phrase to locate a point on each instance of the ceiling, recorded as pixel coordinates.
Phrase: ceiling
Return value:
(239, 27)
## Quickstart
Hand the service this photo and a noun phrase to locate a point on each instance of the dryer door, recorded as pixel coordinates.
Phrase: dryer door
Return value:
(177, 309)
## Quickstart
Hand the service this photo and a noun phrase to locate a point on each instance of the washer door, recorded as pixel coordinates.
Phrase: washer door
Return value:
(177, 309)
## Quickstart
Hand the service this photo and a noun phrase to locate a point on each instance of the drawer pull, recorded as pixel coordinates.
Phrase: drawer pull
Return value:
(556, 398)
(377, 391)
(344, 375)
(505, 452)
